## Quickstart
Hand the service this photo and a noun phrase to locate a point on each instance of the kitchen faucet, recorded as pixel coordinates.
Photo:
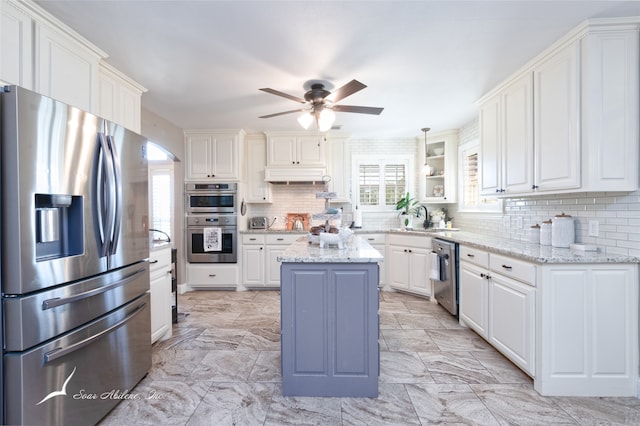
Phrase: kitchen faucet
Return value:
(425, 224)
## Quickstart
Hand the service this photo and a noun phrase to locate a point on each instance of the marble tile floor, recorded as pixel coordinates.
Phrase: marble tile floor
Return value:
(221, 367)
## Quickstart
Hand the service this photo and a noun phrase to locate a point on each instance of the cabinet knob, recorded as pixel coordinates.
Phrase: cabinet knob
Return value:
(507, 267)
(260, 248)
(534, 187)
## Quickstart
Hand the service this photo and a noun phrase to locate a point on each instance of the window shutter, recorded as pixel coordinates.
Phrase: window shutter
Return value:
(369, 183)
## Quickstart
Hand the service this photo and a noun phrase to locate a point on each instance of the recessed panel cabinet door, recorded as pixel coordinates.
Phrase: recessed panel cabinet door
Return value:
(556, 120)
(474, 298)
(490, 162)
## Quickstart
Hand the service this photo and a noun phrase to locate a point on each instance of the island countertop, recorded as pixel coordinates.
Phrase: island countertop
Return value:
(357, 250)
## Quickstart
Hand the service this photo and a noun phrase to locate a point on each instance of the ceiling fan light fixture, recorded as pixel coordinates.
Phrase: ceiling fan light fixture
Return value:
(305, 120)
(326, 118)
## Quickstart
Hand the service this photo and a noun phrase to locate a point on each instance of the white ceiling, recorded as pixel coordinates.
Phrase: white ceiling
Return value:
(425, 62)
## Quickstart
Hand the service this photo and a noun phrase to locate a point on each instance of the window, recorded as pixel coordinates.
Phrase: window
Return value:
(380, 182)
(160, 191)
(470, 200)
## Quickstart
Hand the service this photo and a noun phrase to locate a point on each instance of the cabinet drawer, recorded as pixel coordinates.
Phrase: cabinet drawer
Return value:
(373, 238)
(253, 238)
(475, 256)
(283, 238)
(416, 241)
(222, 276)
(160, 259)
(514, 268)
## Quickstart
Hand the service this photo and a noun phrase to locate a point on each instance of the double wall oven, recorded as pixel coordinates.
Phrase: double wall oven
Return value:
(212, 222)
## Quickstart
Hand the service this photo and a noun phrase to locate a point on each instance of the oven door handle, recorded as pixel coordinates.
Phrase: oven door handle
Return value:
(58, 301)
(58, 353)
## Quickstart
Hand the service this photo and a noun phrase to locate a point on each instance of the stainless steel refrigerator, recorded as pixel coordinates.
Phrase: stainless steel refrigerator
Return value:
(75, 248)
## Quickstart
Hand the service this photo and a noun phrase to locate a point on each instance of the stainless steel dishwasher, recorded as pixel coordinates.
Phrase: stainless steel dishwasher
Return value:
(445, 288)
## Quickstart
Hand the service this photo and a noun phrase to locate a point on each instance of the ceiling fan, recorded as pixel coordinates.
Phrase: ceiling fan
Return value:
(321, 104)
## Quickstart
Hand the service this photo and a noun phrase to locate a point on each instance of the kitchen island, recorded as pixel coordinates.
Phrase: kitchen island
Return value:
(329, 320)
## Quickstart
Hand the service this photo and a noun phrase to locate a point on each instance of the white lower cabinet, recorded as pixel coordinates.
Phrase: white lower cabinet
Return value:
(260, 267)
(474, 298)
(409, 255)
(203, 276)
(511, 320)
(160, 291)
(497, 300)
(587, 322)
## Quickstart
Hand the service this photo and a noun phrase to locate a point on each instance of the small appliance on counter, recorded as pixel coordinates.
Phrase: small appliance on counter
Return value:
(260, 222)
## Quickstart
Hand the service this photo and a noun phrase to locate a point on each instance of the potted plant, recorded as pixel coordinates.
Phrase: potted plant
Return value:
(409, 207)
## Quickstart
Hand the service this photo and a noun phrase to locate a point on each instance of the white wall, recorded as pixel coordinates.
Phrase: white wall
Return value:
(171, 138)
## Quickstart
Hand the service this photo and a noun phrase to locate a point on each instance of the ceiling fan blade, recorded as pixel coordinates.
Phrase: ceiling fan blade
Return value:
(283, 113)
(357, 109)
(284, 95)
(348, 89)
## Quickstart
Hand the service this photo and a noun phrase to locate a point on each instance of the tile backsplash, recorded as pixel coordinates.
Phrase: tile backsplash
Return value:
(617, 214)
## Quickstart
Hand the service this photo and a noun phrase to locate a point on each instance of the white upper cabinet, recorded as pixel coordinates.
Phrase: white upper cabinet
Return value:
(295, 150)
(65, 69)
(119, 98)
(338, 166)
(16, 46)
(610, 108)
(40, 53)
(294, 156)
(438, 182)
(213, 154)
(556, 120)
(258, 190)
(568, 120)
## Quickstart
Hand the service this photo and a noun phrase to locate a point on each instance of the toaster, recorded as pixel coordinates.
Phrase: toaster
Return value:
(258, 222)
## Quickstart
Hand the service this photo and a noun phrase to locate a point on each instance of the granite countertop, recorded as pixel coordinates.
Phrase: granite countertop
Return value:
(515, 248)
(159, 244)
(356, 250)
(533, 252)
(272, 231)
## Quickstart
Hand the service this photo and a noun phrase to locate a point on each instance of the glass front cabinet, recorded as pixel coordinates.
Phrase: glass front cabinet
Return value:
(438, 173)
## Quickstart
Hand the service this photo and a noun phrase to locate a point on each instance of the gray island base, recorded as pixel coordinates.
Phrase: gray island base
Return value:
(329, 320)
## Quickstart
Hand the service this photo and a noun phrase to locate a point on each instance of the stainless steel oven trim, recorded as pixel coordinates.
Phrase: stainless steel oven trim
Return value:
(211, 189)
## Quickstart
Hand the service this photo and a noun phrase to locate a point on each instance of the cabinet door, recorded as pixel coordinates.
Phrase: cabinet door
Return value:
(160, 291)
(511, 320)
(474, 298)
(399, 274)
(282, 151)
(273, 266)
(310, 151)
(556, 120)
(199, 156)
(65, 70)
(490, 163)
(517, 135)
(253, 259)
(338, 168)
(225, 157)
(420, 263)
(258, 191)
(16, 46)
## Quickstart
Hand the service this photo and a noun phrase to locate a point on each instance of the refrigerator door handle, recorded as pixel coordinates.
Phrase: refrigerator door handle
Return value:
(117, 186)
(59, 301)
(104, 195)
(58, 353)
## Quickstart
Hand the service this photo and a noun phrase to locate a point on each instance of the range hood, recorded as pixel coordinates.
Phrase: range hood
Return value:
(295, 174)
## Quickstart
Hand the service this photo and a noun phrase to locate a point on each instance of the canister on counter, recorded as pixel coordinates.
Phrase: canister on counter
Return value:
(545, 233)
(534, 234)
(563, 231)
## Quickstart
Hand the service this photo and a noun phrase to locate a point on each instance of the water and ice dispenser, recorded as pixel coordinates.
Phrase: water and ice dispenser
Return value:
(59, 226)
